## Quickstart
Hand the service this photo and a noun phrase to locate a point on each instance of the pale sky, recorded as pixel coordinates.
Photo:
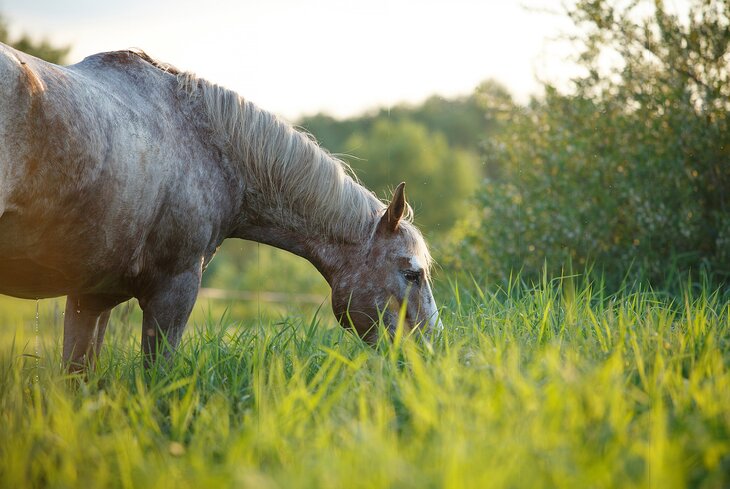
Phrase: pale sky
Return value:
(341, 57)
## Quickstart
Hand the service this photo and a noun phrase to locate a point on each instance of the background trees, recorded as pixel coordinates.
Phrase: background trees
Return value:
(631, 171)
(627, 172)
(40, 49)
(435, 147)
(440, 177)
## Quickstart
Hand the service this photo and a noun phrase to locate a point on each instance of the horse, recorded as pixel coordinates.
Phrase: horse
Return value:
(121, 175)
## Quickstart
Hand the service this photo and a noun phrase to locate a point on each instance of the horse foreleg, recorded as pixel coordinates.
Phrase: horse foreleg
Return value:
(84, 326)
(101, 325)
(165, 314)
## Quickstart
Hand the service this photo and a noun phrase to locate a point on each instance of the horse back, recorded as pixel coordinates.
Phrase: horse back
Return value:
(91, 164)
(60, 126)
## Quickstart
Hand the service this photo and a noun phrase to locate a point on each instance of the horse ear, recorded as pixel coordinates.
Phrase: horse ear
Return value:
(396, 209)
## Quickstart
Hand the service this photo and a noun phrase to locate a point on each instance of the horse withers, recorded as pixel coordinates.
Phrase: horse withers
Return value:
(121, 176)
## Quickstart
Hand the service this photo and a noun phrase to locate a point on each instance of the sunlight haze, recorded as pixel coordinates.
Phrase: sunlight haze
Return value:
(339, 57)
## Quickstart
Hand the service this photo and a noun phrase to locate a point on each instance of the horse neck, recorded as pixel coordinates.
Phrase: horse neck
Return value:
(293, 195)
(314, 209)
(328, 255)
(265, 221)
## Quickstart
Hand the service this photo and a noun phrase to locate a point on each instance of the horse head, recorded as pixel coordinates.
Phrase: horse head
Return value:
(387, 278)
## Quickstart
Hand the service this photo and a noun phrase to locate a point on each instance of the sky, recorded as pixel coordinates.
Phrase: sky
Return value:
(342, 57)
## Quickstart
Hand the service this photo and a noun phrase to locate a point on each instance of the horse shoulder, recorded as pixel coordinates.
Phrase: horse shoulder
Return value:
(19, 74)
(20, 89)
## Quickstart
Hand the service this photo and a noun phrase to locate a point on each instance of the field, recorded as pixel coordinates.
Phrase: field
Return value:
(557, 385)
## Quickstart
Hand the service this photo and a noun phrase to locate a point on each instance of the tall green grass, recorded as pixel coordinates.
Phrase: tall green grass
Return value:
(558, 385)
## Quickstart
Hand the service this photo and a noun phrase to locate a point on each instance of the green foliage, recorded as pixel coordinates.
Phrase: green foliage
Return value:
(587, 390)
(463, 120)
(632, 171)
(43, 49)
(439, 177)
(433, 146)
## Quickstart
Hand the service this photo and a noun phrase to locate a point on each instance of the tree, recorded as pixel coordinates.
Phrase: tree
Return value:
(434, 146)
(632, 169)
(464, 121)
(439, 177)
(43, 49)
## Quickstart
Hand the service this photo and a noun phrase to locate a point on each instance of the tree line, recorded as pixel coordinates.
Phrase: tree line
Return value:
(626, 174)
(43, 49)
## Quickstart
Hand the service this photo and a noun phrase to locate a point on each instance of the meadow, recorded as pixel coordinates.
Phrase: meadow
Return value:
(534, 383)
(559, 384)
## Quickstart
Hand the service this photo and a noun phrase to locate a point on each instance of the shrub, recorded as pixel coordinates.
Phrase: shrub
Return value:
(631, 171)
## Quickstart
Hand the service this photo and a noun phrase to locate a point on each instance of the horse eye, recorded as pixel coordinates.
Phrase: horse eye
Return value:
(412, 276)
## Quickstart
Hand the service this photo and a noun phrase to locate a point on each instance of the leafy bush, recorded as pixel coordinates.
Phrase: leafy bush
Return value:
(629, 172)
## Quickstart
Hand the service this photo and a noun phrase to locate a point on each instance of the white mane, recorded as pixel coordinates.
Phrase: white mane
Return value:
(294, 175)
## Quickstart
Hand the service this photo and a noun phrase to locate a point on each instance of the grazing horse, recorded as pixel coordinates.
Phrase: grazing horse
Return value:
(120, 177)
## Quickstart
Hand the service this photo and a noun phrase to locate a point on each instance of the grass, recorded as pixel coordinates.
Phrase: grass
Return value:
(553, 386)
